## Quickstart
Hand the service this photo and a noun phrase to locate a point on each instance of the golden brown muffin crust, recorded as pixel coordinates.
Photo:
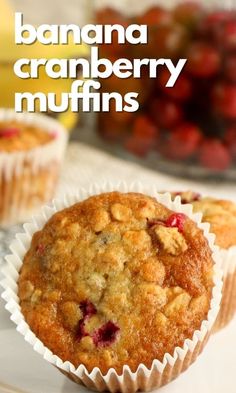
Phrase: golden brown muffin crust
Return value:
(116, 279)
(16, 136)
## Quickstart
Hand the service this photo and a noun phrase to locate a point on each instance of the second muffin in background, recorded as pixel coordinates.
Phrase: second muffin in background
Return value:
(32, 148)
(221, 215)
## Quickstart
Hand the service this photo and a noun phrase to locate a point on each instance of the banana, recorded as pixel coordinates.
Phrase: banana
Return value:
(10, 52)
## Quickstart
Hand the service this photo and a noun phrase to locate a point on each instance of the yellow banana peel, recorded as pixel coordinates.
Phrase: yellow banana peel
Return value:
(9, 51)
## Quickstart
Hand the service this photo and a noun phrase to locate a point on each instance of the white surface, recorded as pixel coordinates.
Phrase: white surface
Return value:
(85, 165)
(25, 371)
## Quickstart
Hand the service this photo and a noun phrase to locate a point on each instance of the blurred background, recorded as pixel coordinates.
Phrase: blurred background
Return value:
(56, 11)
(182, 138)
(189, 130)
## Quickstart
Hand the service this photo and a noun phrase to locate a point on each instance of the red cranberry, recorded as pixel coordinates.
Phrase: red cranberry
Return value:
(80, 330)
(9, 132)
(155, 16)
(40, 250)
(224, 100)
(144, 128)
(195, 196)
(229, 35)
(183, 141)
(217, 17)
(230, 140)
(214, 23)
(214, 155)
(87, 308)
(144, 137)
(230, 68)
(166, 113)
(182, 89)
(203, 60)
(176, 220)
(106, 334)
(188, 13)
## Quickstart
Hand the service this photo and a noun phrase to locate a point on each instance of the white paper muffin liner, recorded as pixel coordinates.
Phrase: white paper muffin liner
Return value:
(228, 302)
(161, 372)
(28, 178)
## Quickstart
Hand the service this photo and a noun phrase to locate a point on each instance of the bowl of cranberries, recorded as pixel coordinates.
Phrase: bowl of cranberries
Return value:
(188, 129)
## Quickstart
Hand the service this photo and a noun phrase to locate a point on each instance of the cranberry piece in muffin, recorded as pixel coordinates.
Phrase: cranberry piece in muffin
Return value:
(221, 215)
(80, 331)
(9, 132)
(106, 334)
(175, 220)
(40, 249)
(87, 308)
(16, 137)
(111, 289)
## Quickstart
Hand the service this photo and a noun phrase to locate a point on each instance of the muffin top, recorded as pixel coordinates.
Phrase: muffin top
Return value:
(116, 279)
(16, 136)
(219, 213)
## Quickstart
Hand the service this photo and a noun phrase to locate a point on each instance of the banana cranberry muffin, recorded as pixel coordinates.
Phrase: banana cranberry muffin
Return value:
(221, 215)
(31, 151)
(16, 136)
(116, 279)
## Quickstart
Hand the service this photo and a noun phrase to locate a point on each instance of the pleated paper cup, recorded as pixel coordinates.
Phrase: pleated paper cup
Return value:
(28, 178)
(145, 379)
(228, 303)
